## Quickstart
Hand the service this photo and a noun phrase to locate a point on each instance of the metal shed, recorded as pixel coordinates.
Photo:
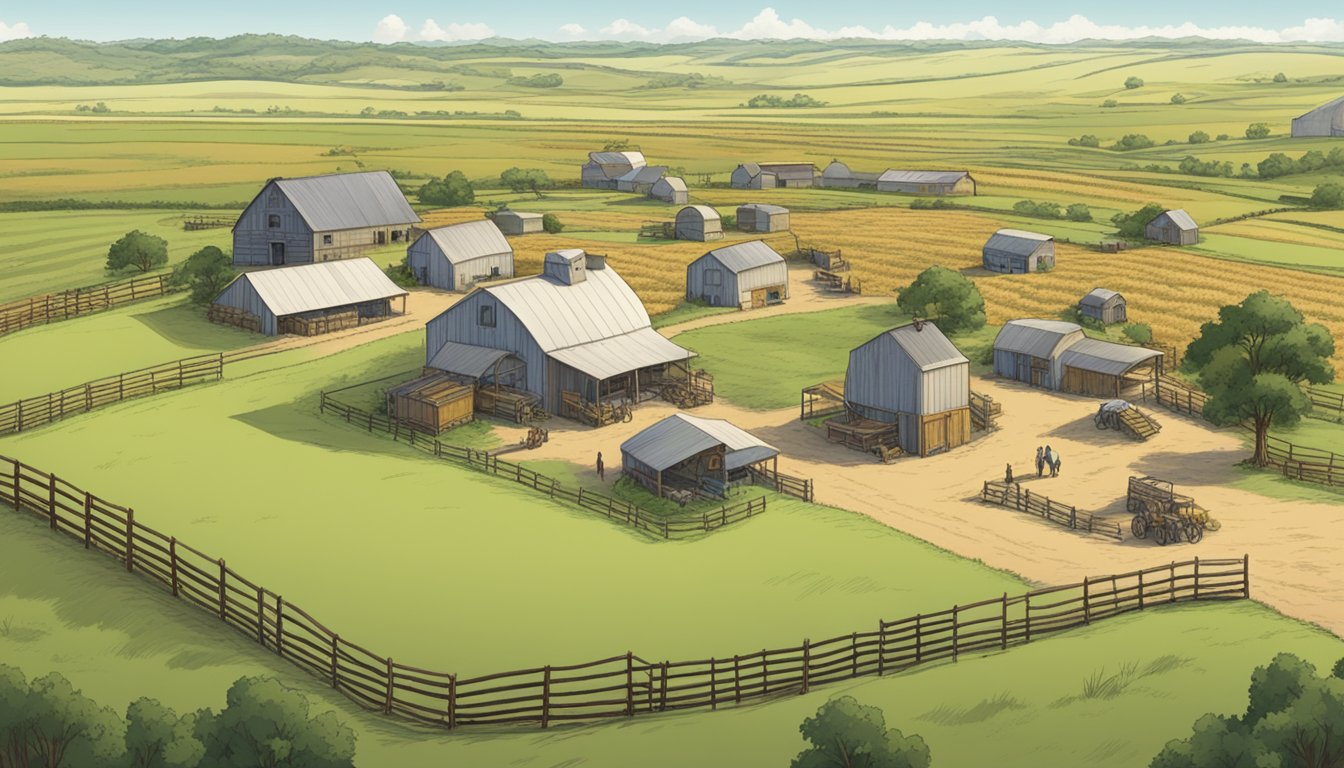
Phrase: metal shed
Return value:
(837, 175)
(518, 222)
(750, 176)
(604, 168)
(684, 452)
(577, 328)
(671, 189)
(1174, 227)
(791, 174)
(641, 180)
(760, 217)
(1325, 120)
(1016, 252)
(915, 378)
(698, 222)
(927, 182)
(456, 257)
(1103, 305)
(321, 218)
(1106, 369)
(313, 298)
(745, 275)
(1028, 350)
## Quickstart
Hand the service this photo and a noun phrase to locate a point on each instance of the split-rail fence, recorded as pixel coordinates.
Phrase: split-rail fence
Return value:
(1012, 495)
(52, 307)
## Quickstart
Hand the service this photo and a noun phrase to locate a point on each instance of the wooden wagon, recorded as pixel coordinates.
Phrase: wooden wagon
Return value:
(1167, 515)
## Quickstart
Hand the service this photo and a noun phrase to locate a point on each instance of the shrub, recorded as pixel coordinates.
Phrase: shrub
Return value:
(1196, 167)
(1199, 137)
(1109, 104)
(947, 296)
(1078, 212)
(1043, 210)
(764, 100)
(1132, 82)
(1178, 98)
(1139, 333)
(1086, 140)
(450, 191)
(1131, 225)
(1329, 195)
(138, 251)
(728, 221)
(552, 224)
(550, 80)
(1280, 78)
(205, 273)
(1257, 131)
(1132, 141)
(265, 723)
(401, 275)
(847, 733)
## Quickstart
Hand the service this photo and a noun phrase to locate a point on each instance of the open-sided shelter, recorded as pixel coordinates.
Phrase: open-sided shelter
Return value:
(1053, 354)
(309, 299)
(685, 452)
(458, 256)
(745, 275)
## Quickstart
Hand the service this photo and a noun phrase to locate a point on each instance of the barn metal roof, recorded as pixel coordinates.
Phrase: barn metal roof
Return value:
(674, 182)
(681, 436)
(1098, 297)
(838, 170)
(1016, 241)
(617, 158)
(1105, 356)
(605, 358)
(324, 285)
(923, 177)
(1180, 218)
(644, 174)
(1037, 338)
(751, 168)
(466, 359)
(706, 213)
(740, 257)
(520, 215)
(928, 348)
(464, 242)
(348, 200)
(764, 208)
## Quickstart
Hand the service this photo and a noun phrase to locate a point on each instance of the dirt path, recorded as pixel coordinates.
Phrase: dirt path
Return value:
(804, 296)
(1296, 548)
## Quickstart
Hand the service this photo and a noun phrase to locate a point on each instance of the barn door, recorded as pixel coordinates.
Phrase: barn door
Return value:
(934, 434)
(758, 298)
(277, 254)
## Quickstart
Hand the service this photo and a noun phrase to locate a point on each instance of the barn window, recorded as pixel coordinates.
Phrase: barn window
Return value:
(494, 271)
(274, 200)
(713, 277)
(273, 221)
(326, 239)
(486, 318)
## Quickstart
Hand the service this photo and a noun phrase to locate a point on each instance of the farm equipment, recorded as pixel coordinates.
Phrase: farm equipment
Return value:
(536, 437)
(1122, 416)
(1167, 515)
(595, 414)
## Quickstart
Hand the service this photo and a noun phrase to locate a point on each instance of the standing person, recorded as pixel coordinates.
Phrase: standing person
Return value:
(1008, 475)
(1050, 458)
(1054, 468)
(601, 468)
(1040, 461)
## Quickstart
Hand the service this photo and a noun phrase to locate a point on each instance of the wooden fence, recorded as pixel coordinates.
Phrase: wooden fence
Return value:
(33, 412)
(613, 509)
(797, 487)
(1301, 463)
(1012, 495)
(52, 307)
(1325, 400)
(620, 686)
(825, 399)
(1177, 395)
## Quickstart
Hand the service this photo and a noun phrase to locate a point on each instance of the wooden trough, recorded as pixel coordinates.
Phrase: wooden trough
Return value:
(432, 404)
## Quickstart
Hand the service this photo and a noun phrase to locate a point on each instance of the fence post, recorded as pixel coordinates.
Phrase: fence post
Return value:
(1196, 577)
(261, 617)
(737, 679)
(630, 684)
(88, 520)
(546, 696)
(452, 702)
(807, 662)
(1246, 575)
(1171, 584)
(279, 625)
(1141, 572)
(387, 703)
(18, 475)
(1027, 614)
(1003, 627)
(51, 499)
(662, 690)
(223, 575)
(881, 647)
(919, 637)
(956, 633)
(713, 684)
(130, 540)
(172, 564)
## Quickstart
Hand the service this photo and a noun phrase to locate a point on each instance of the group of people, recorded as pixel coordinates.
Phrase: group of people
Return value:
(1046, 458)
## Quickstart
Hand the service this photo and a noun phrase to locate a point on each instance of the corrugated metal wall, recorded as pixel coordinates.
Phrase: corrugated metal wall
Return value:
(459, 323)
(431, 267)
(698, 288)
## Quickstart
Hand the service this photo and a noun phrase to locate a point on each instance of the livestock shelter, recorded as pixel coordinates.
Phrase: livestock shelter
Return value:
(1028, 350)
(1015, 252)
(916, 379)
(750, 176)
(518, 222)
(760, 217)
(574, 333)
(309, 299)
(689, 453)
(321, 218)
(1325, 120)
(744, 275)
(837, 175)
(1174, 227)
(671, 189)
(641, 180)
(432, 403)
(1103, 305)
(771, 175)
(927, 182)
(458, 256)
(604, 168)
(698, 222)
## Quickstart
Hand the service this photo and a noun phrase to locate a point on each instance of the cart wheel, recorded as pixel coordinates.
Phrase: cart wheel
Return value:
(1194, 532)
(1133, 505)
(628, 416)
(1139, 527)
(1160, 535)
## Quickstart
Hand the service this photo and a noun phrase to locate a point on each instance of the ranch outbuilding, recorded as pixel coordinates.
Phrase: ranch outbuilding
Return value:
(456, 257)
(308, 299)
(1053, 354)
(1103, 305)
(519, 222)
(1174, 227)
(698, 222)
(750, 176)
(641, 180)
(575, 337)
(1015, 252)
(745, 275)
(604, 168)
(321, 218)
(912, 377)
(689, 453)
(671, 189)
(761, 217)
(938, 183)
(771, 175)
(1325, 120)
(837, 175)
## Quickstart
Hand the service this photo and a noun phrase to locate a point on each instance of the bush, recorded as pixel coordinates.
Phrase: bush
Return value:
(401, 275)
(1329, 195)
(1257, 131)
(205, 272)
(1280, 78)
(947, 296)
(1139, 333)
(1110, 104)
(1223, 137)
(1131, 225)
(137, 251)
(1086, 140)
(847, 733)
(1132, 82)
(763, 101)
(450, 191)
(728, 221)
(1132, 141)
(1196, 167)
(1279, 164)
(552, 224)
(537, 81)
(1078, 212)
(1178, 98)
(1040, 210)
(1199, 137)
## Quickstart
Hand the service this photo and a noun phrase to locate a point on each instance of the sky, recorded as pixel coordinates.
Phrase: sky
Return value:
(386, 21)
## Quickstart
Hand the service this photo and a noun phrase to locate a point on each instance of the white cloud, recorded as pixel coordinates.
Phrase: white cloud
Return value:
(14, 31)
(677, 30)
(624, 29)
(390, 30)
(454, 31)
(573, 30)
(768, 24)
(687, 29)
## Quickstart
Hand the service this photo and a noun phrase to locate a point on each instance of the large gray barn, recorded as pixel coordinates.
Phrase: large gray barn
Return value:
(915, 378)
(1028, 350)
(927, 182)
(700, 223)
(356, 288)
(745, 275)
(837, 175)
(1173, 227)
(456, 257)
(771, 175)
(1015, 252)
(1053, 354)
(1325, 120)
(670, 189)
(518, 222)
(760, 217)
(575, 328)
(604, 168)
(320, 218)
(1103, 305)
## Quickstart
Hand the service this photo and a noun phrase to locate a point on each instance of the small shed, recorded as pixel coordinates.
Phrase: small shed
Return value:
(745, 275)
(1174, 227)
(641, 180)
(432, 403)
(689, 453)
(791, 174)
(1103, 305)
(310, 299)
(671, 189)
(760, 217)
(1028, 350)
(1015, 252)
(751, 176)
(700, 223)
(518, 222)
(915, 378)
(456, 257)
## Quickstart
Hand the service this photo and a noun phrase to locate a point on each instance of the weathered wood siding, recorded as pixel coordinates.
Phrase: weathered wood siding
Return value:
(460, 323)
(253, 235)
(241, 295)
(1111, 311)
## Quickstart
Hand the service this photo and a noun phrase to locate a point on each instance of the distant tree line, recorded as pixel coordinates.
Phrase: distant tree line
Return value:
(548, 80)
(770, 101)
(1048, 210)
(692, 80)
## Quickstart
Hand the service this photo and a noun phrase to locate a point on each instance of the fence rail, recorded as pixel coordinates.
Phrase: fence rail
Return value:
(1012, 495)
(1325, 400)
(620, 686)
(52, 307)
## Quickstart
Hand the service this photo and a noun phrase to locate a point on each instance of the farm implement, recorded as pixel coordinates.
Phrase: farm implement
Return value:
(1166, 515)
(1124, 417)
